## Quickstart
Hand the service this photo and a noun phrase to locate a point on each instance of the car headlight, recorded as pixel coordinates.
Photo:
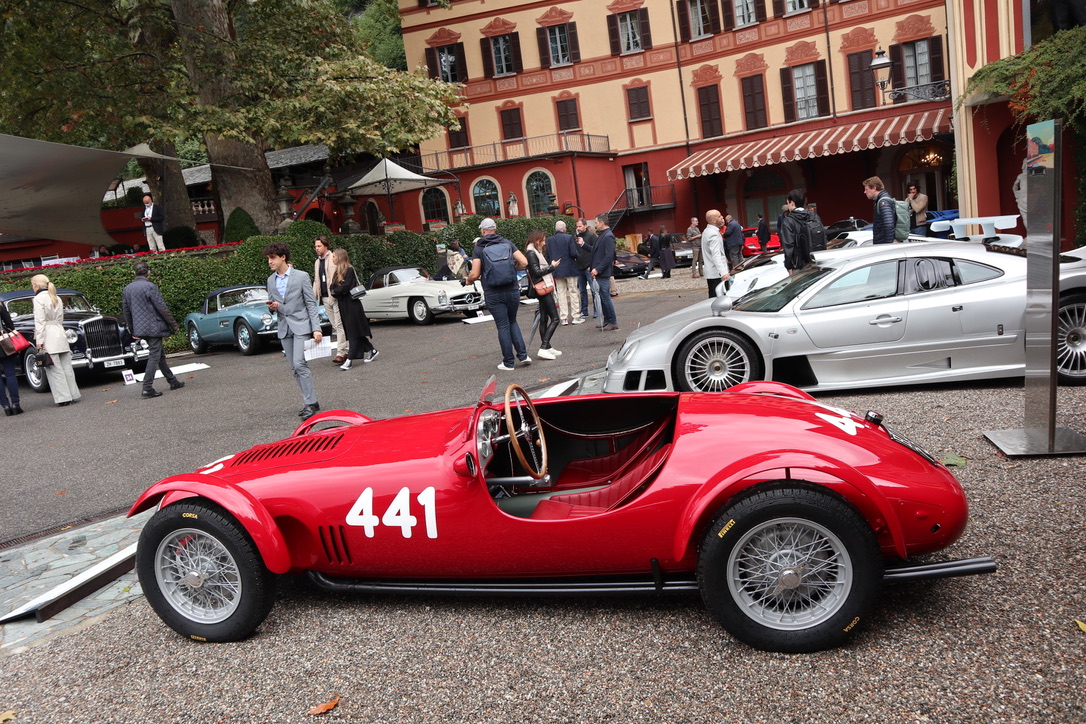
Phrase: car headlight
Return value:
(266, 319)
(442, 298)
(627, 350)
(72, 336)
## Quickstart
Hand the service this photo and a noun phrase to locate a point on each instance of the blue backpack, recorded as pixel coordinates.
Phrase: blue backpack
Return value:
(499, 269)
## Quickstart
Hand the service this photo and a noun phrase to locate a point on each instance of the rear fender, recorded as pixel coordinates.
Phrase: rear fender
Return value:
(247, 510)
(857, 489)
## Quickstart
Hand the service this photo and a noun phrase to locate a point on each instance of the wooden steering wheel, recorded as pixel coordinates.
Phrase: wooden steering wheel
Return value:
(527, 434)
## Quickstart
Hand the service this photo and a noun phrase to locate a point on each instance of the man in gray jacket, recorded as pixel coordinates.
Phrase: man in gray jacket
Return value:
(149, 319)
(290, 295)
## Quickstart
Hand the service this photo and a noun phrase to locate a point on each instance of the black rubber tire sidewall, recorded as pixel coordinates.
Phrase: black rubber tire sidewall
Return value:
(200, 346)
(258, 583)
(781, 502)
(254, 341)
(427, 318)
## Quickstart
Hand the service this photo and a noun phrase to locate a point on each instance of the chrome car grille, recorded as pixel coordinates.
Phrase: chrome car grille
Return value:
(468, 298)
(103, 338)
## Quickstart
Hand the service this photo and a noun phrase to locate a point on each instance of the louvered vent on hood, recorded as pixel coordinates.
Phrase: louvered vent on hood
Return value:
(288, 448)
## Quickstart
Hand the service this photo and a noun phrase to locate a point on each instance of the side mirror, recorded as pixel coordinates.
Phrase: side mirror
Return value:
(722, 304)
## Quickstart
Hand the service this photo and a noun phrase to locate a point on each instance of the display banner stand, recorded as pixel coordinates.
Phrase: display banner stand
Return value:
(1040, 436)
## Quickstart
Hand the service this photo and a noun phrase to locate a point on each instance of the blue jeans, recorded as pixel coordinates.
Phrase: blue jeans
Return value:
(607, 306)
(584, 283)
(503, 306)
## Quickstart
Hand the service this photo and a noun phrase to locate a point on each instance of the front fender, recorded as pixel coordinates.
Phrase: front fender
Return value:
(245, 508)
(855, 487)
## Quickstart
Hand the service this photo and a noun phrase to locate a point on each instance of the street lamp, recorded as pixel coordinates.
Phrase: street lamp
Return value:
(880, 68)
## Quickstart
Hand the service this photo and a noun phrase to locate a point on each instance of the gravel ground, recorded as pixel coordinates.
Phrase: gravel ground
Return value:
(998, 648)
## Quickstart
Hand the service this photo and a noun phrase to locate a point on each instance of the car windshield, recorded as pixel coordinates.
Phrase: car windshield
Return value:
(72, 303)
(406, 276)
(774, 297)
(243, 296)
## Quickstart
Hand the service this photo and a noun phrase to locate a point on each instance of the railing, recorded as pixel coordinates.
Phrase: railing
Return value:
(648, 197)
(499, 151)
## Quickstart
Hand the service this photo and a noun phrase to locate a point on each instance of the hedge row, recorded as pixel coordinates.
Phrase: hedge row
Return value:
(186, 277)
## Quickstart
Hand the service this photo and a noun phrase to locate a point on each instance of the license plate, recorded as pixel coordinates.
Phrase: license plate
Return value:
(473, 307)
(113, 363)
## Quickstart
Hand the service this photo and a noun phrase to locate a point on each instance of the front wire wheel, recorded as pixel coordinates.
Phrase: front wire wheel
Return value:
(1071, 340)
(202, 574)
(790, 569)
(715, 360)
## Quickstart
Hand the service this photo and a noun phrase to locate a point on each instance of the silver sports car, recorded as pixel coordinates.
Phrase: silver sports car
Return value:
(900, 314)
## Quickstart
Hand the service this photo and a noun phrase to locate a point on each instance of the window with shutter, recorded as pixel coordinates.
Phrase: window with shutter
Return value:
(702, 18)
(754, 102)
(504, 55)
(629, 32)
(638, 101)
(568, 118)
(805, 91)
(709, 106)
(512, 128)
(861, 80)
(459, 139)
(447, 63)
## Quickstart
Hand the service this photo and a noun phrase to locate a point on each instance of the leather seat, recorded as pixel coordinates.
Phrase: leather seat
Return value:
(592, 502)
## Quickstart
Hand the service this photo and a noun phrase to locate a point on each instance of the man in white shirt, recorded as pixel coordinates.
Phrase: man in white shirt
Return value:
(153, 219)
(322, 275)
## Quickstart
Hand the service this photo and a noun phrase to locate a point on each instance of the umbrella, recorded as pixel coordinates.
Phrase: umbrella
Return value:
(388, 177)
(597, 301)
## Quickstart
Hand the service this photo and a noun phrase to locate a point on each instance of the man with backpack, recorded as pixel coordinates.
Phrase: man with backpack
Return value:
(495, 259)
(884, 227)
(795, 232)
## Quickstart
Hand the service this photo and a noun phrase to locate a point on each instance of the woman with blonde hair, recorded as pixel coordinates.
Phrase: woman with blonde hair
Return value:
(355, 324)
(49, 336)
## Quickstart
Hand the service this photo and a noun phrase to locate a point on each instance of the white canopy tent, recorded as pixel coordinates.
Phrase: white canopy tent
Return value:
(388, 178)
(54, 191)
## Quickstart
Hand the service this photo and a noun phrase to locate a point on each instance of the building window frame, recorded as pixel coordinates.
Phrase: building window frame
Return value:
(638, 103)
(568, 114)
(512, 123)
(629, 32)
(710, 114)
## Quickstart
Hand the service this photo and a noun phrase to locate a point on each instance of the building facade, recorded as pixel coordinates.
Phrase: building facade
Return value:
(656, 112)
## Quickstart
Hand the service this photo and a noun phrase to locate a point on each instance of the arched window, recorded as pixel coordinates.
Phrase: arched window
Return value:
(540, 190)
(484, 195)
(435, 207)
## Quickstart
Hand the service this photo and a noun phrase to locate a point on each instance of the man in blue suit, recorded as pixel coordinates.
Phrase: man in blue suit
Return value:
(561, 248)
(290, 295)
(603, 268)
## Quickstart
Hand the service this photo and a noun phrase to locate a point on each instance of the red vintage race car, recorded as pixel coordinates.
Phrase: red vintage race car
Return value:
(786, 514)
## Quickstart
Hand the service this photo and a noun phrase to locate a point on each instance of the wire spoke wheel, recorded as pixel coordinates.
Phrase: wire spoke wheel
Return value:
(198, 576)
(716, 360)
(790, 573)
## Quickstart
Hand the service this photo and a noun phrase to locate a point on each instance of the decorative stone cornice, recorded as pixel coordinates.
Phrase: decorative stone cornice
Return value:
(914, 27)
(751, 64)
(624, 6)
(858, 39)
(802, 52)
(705, 75)
(443, 36)
(498, 26)
(554, 16)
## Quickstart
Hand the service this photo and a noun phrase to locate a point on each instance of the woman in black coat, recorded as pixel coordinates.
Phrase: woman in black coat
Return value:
(9, 386)
(355, 324)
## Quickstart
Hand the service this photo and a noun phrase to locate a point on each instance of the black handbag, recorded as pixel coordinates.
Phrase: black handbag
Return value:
(42, 359)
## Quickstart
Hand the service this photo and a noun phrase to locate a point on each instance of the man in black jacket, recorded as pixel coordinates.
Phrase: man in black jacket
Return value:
(149, 319)
(794, 238)
(586, 244)
(603, 267)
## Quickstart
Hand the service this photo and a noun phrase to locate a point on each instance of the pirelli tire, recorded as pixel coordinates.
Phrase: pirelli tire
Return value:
(790, 569)
(202, 573)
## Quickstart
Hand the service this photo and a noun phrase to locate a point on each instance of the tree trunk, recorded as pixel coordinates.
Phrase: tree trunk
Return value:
(206, 32)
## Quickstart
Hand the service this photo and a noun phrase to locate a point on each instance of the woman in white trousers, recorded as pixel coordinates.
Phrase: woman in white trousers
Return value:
(50, 337)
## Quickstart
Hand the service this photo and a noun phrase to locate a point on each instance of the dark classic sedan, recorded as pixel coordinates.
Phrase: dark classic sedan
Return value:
(236, 315)
(99, 341)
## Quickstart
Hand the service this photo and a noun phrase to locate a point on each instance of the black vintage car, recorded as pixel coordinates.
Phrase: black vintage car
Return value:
(98, 341)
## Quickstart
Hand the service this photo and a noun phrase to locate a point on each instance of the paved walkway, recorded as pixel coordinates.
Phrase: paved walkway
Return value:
(30, 570)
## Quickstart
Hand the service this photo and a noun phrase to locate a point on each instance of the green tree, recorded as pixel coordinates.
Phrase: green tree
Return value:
(379, 26)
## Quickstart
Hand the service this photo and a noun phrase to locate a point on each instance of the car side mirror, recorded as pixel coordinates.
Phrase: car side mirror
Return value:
(722, 304)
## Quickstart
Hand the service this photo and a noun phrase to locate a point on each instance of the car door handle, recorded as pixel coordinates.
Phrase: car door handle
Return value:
(884, 320)
(957, 308)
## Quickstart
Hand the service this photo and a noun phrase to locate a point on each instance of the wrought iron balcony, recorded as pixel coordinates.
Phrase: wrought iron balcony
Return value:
(502, 151)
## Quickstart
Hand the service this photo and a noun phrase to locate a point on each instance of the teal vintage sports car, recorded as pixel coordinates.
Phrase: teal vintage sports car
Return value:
(238, 316)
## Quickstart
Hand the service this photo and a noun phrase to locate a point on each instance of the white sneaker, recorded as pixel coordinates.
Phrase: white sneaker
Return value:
(346, 365)
(555, 352)
(526, 361)
(579, 320)
(545, 354)
(503, 368)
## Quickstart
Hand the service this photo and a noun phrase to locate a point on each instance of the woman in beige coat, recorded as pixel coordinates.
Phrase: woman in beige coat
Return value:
(49, 336)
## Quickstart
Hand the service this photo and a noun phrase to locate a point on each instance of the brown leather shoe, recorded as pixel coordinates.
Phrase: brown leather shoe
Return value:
(338, 359)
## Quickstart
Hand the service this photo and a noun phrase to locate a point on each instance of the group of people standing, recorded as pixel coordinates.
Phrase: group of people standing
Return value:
(554, 264)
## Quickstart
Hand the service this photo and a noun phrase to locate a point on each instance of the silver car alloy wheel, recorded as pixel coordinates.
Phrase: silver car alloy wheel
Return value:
(198, 576)
(790, 574)
(1071, 339)
(715, 364)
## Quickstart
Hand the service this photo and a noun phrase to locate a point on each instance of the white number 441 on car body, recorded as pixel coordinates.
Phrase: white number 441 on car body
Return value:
(398, 514)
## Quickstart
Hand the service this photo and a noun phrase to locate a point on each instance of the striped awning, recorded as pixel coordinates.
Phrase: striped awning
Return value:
(843, 138)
